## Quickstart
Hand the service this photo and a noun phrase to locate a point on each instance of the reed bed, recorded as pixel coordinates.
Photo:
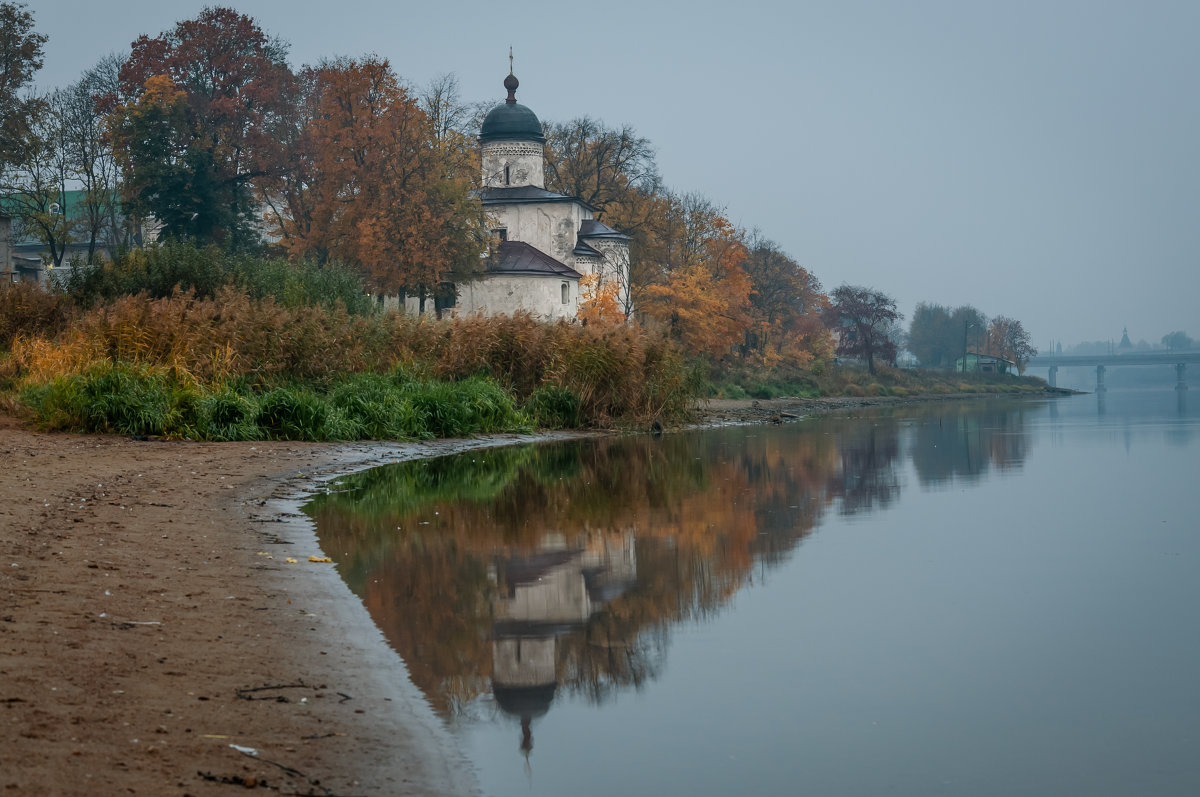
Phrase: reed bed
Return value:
(211, 358)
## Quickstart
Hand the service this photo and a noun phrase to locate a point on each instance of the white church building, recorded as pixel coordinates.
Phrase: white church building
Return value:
(547, 242)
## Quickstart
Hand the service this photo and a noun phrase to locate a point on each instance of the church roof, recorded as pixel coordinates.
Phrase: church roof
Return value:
(524, 194)
(518, 257)
(590, 228)
(581, 248)
(511, 121)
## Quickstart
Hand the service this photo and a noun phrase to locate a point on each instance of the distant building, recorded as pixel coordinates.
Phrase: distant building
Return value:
(27, 254)
(985, 364)
(547, 242)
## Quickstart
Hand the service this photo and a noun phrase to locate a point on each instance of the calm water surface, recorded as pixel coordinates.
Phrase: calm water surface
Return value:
(973, 598)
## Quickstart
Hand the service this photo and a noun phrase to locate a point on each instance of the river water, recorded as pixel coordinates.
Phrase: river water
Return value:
(985, 597)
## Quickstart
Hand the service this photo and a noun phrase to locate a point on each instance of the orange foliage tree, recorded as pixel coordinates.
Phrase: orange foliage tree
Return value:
(691, 277)
(786, 308)
(1007, 338)
(600, 301)
(367, 181)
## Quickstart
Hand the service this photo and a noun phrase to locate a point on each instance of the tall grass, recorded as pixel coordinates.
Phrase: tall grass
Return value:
(26, 309)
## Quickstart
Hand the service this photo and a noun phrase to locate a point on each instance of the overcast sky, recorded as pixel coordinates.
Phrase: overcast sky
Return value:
(1035, 159)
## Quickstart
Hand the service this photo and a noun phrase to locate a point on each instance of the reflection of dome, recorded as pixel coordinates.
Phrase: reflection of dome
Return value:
(526, 702)
(511, 121)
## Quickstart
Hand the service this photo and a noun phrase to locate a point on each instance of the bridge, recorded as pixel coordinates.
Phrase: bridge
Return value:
(1102, 362)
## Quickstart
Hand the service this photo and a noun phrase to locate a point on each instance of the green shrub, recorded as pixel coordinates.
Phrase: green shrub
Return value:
(292, 413)
(121, 399)
(458, 409)
(227, 415)
(373, 406)
(554, 407)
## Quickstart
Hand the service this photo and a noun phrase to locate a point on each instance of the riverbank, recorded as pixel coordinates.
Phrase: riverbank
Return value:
(153, 630)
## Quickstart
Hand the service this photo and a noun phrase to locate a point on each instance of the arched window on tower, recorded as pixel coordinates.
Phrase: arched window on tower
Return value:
(507, 175)
(566, 292)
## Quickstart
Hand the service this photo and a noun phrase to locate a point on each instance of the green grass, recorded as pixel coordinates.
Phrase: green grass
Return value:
(143, 401)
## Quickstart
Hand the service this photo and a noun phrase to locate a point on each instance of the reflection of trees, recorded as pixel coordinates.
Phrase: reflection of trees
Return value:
(562, 568)
(868, 477)
(433, 563)
(963, 441)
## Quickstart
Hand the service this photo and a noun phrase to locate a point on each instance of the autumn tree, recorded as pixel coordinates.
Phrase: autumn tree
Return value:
(599, 164)
(692, 278)
(863, 320)
(1007, 338)
(786, 306)
(193, 125)
(372, 180)
(21, 51)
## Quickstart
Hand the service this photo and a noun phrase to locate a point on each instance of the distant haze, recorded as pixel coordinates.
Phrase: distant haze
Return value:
(1036, 159)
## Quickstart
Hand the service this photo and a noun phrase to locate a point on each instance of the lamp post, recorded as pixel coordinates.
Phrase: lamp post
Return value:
(966, 325)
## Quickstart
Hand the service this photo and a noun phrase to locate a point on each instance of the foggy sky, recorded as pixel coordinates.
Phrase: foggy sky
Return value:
(1034, 159)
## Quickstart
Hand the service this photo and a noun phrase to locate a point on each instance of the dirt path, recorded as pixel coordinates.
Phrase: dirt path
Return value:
(145, 594)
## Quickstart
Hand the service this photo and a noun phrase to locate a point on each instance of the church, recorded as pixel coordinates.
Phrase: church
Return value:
(549, 248)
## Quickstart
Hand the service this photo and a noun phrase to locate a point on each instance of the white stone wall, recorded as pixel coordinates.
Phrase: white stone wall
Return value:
(522, 159)
(587, 264)
(509, 294)
(550, 227)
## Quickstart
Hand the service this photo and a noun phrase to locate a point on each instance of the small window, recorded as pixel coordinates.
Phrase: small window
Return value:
(501, 233)
(507, 170)
(566, 292)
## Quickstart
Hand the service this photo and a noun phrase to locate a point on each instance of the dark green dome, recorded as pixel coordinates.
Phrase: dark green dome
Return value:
(511, 121)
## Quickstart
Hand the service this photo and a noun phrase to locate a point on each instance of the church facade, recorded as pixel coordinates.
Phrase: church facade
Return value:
(549, 247)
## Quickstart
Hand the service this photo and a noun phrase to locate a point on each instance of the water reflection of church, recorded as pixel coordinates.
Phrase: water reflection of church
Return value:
(541, 597)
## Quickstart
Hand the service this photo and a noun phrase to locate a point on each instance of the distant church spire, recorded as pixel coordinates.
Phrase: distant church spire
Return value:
(1125, 342)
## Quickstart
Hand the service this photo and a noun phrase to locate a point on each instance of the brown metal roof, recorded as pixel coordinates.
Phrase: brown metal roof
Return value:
(518, 257)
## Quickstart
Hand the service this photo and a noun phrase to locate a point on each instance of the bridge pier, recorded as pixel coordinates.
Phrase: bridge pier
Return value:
(1054, 376)
(1181, 384)
(1100, 388)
